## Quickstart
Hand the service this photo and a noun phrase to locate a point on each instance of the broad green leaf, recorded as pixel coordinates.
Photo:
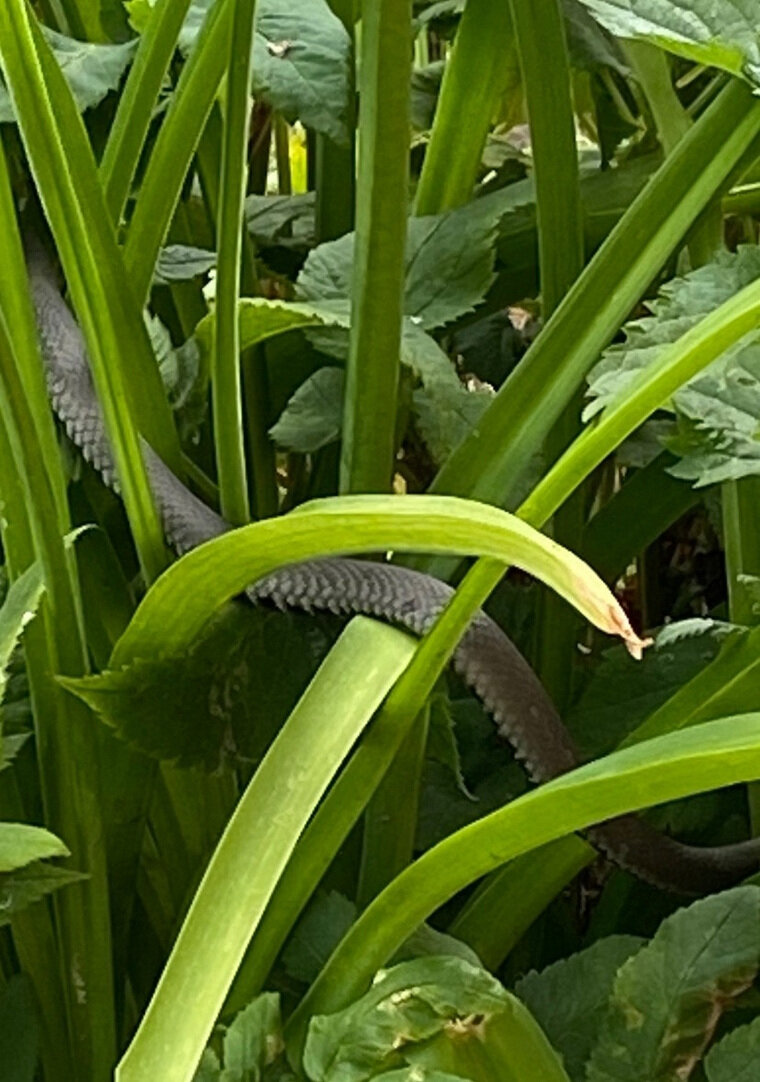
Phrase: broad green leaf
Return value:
(418, 1074)
(91, 70)
(407, 1004)
(19, 1031)
(209, 1068)
(737, 1057)
(253, 1040)
(569, 998)
(178, 605)
(20, 844)
(717, 33)
(10, 746)
(590, 46)
(18, 608)
(219, 701)
(313, 417)
(428, 941)
(668, 999)
(22, 887)
(318, 931)
(300, 61)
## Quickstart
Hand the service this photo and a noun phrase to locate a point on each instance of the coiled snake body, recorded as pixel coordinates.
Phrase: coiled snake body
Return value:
(486, 658)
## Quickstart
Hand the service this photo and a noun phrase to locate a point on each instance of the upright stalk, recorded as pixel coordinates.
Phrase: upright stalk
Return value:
(369, 417)
(474, 80)
(225, 354)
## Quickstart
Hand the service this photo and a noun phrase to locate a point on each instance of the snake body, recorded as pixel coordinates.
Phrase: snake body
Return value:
(486, 658)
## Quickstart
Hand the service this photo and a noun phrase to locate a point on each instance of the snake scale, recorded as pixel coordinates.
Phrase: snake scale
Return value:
(486, 658)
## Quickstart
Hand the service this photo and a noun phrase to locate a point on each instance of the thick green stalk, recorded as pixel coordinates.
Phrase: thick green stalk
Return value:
(474, 79)
(542, 49)
(369, 417)
(225, 355)
(66, 752)
(492, 462)
(741, 532)
(336, 165)
(175, 146)
(136, 103)
(255, 849)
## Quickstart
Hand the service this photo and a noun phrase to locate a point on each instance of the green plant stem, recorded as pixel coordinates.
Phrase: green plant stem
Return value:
(542, 50)
(492, 462)
(652, 69)
(255, 382)
(254, 851)
(225, 356)
(474, 79)
(66, 755)
(66, 178)
(136, 103)
(390, 822)
(372, 374)
(336, 165)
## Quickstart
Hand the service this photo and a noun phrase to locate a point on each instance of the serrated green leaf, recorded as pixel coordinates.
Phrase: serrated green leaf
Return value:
(24, 886)
(322, 926)
(569, 998)
(253, 1040)
(446, 412)
(717, 33)
(223, 697)
(589, 45)
(449, 263)
(282, 220)
(10, 746)
(21, 844)
(19, 1031)
(668, 999)
(407, 1004)
(300, 60)
(718, 412)
(737, 1057)
(314, 415)
(181, 262)
(428, 941)
(91, 70)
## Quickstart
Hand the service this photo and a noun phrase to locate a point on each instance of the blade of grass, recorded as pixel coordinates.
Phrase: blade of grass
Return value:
(64, 169)
(137, 102)
(698, 760)
(170, 159)
(336, 165)
(372, 372)
(255, 848)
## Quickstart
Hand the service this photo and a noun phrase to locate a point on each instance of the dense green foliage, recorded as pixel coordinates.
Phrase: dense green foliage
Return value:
(379, 276)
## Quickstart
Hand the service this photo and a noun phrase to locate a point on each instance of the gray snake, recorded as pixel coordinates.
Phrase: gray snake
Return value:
(486, 658)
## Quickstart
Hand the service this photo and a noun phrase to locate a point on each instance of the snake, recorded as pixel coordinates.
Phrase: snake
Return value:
(486, 658)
